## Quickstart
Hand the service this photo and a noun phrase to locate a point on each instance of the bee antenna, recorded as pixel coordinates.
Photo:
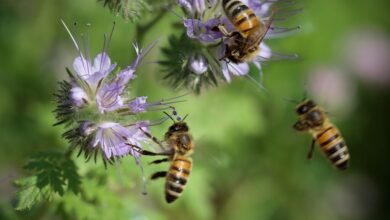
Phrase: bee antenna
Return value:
(174, 112)
(184, 117)
(170, 117)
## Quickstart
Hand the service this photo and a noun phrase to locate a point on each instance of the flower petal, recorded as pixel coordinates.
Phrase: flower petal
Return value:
(186, 5)
(229, 69)
(108, 97)
(101, 63)
(112, 138)
(199, 5)
(82, 67)
(138, 104)
(225, 72)
(203, 31)
(78, 96)
(261, 9)
(265, 51)
(239, 69)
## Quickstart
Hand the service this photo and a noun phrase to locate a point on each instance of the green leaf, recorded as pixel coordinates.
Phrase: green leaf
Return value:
(71, 176)
(56, 182)
(37, 165)
(29, 194)
(54, 174)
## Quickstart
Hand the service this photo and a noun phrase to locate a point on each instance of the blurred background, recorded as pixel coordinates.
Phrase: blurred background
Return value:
(249, 162)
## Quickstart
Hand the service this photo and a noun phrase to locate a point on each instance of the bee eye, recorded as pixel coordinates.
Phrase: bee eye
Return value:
(315, 117)
(302, 110)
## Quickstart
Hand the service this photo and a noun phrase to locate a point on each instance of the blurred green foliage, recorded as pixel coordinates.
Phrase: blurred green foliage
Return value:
(249, 163)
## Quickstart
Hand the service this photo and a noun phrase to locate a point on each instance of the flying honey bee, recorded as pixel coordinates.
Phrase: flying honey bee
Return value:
(244, 43)
(314, 120)
(180, 148)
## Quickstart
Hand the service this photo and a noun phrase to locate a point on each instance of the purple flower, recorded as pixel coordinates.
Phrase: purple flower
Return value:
(93, 73)
(93, 93)
(203, 31)
(114, 139)
(93, 86)
(102, 114)
(204, 28)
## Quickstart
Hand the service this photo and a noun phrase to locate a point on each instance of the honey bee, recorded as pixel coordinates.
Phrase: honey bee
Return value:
(180, 148)
(244, 43)
(314, 120)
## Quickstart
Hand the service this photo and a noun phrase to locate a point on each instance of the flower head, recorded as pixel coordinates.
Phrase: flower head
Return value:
(103, 117)
(206, 27)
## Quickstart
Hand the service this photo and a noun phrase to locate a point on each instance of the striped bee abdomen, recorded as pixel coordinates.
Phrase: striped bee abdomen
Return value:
(243, 18)
(177, 177)
(334, 147)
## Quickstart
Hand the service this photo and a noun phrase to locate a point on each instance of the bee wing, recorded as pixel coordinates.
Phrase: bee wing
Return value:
(265, 28)
(208, 153)
(156, 148)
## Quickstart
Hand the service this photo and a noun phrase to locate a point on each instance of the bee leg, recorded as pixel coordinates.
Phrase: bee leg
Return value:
(311, 150)
(223, 30)
(153, 138)
(159, 161)
(159, 174)
(148, 153)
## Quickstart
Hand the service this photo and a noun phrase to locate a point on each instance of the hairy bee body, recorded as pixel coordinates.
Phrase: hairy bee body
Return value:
(250, 31)
(242, 17)
(177, 177)
(182, 144)
(314, 120)
(180, 148)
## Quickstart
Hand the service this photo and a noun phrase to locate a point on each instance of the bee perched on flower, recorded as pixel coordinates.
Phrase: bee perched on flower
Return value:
(95, 104)
(228, 36)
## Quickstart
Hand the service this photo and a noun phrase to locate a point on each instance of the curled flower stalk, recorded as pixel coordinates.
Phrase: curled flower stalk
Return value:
(204, 39)
(101, 114)
(128, 9)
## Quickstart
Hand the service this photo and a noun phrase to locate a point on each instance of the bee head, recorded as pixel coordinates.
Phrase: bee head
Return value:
(247, 54)
(311, 115)
(178, 126)
(305, 107)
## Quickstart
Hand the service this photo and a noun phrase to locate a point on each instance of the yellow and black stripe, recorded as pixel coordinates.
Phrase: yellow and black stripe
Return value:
(334, 147)
(243, 18)
(177, 177)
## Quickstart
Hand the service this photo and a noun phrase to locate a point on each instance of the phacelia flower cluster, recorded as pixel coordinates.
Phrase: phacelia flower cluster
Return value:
(102, 114)
(200, 52)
